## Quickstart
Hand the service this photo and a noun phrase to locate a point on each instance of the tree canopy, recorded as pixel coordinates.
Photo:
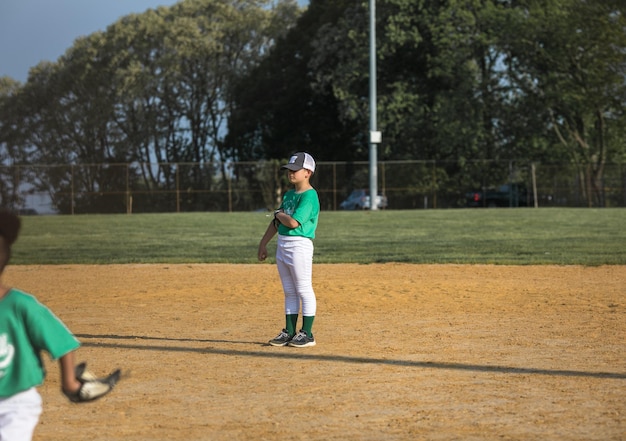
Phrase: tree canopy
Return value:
(179, 92)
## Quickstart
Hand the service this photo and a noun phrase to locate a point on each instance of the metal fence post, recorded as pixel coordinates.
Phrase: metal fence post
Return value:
(72, 203)
(534, 178)
(177, 189)
(128, 197)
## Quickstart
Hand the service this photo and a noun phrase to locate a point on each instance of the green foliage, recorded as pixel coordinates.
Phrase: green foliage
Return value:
(153, 88)
(465, 236)
(9, 137)
(277, 110)
(461, 82)
(567, 57)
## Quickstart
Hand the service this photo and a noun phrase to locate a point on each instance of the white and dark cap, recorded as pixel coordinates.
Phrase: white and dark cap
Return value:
(9, 226)
(299, 161)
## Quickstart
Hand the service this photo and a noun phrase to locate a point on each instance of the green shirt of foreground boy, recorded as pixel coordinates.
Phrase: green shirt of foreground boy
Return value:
(27, 329)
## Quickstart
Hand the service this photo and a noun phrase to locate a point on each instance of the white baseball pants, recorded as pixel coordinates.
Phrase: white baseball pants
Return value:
(19, 415)
(294, 258)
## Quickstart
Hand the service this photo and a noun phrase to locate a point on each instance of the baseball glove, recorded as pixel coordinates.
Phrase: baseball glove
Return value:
(276, 221)
(92, 387)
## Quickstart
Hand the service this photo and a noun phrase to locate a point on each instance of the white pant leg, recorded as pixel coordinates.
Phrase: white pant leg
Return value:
(284, 263)
(292, 302)
(294, 258)
(19, 415)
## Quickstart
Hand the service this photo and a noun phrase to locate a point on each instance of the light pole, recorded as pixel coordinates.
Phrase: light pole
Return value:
(375, 135)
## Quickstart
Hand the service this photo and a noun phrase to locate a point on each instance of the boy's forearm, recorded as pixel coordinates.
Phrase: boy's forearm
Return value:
(269, 234)
(69, 383)
(287, 220)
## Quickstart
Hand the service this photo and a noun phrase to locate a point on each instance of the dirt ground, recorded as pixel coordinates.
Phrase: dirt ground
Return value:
(404, 352)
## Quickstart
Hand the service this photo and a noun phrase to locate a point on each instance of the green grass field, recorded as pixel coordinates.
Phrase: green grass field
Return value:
(563, 236)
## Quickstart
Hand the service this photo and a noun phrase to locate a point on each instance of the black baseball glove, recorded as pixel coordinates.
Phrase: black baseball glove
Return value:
(92, 387)
(276, 221)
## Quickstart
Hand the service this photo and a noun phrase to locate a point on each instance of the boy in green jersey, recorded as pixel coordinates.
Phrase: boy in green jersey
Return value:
(27, 328)
(295, 221)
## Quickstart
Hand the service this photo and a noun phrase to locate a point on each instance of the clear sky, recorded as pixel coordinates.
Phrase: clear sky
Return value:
(32, 31)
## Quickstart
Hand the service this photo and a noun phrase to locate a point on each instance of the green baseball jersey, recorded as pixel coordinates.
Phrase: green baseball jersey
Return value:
(27, 328)
(303, 207)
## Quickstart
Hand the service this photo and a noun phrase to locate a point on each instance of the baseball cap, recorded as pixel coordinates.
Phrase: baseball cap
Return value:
(299, 161)
(9, 226)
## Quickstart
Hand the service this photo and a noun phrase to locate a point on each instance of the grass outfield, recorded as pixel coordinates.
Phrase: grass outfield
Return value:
(521, 236)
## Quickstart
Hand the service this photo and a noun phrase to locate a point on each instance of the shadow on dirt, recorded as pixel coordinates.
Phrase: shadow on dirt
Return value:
(292, 354)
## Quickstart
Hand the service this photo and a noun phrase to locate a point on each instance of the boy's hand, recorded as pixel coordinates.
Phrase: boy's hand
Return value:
(262, 252)
(91, 388)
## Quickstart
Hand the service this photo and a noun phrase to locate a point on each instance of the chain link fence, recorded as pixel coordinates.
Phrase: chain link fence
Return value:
(253, 186)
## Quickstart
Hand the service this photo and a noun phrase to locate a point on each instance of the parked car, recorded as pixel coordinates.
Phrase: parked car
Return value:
(507, 195)
(27, 212)
(360, 200)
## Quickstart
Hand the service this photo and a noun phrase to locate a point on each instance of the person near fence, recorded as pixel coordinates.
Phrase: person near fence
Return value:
(295, 221)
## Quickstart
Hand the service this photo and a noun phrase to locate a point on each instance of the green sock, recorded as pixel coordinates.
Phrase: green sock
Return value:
(307, 324)
(291, 320)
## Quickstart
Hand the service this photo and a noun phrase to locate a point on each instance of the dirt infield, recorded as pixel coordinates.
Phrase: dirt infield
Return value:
(405, 352)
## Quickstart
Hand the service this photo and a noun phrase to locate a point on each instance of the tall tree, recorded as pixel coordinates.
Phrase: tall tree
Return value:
(10, 153)
(440, 90)
(278, 107)
(67, 109)
(570, 56)
(153, 88)
(177, 77)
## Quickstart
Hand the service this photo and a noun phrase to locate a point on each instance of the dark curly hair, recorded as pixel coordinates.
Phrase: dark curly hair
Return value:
(9, 230)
